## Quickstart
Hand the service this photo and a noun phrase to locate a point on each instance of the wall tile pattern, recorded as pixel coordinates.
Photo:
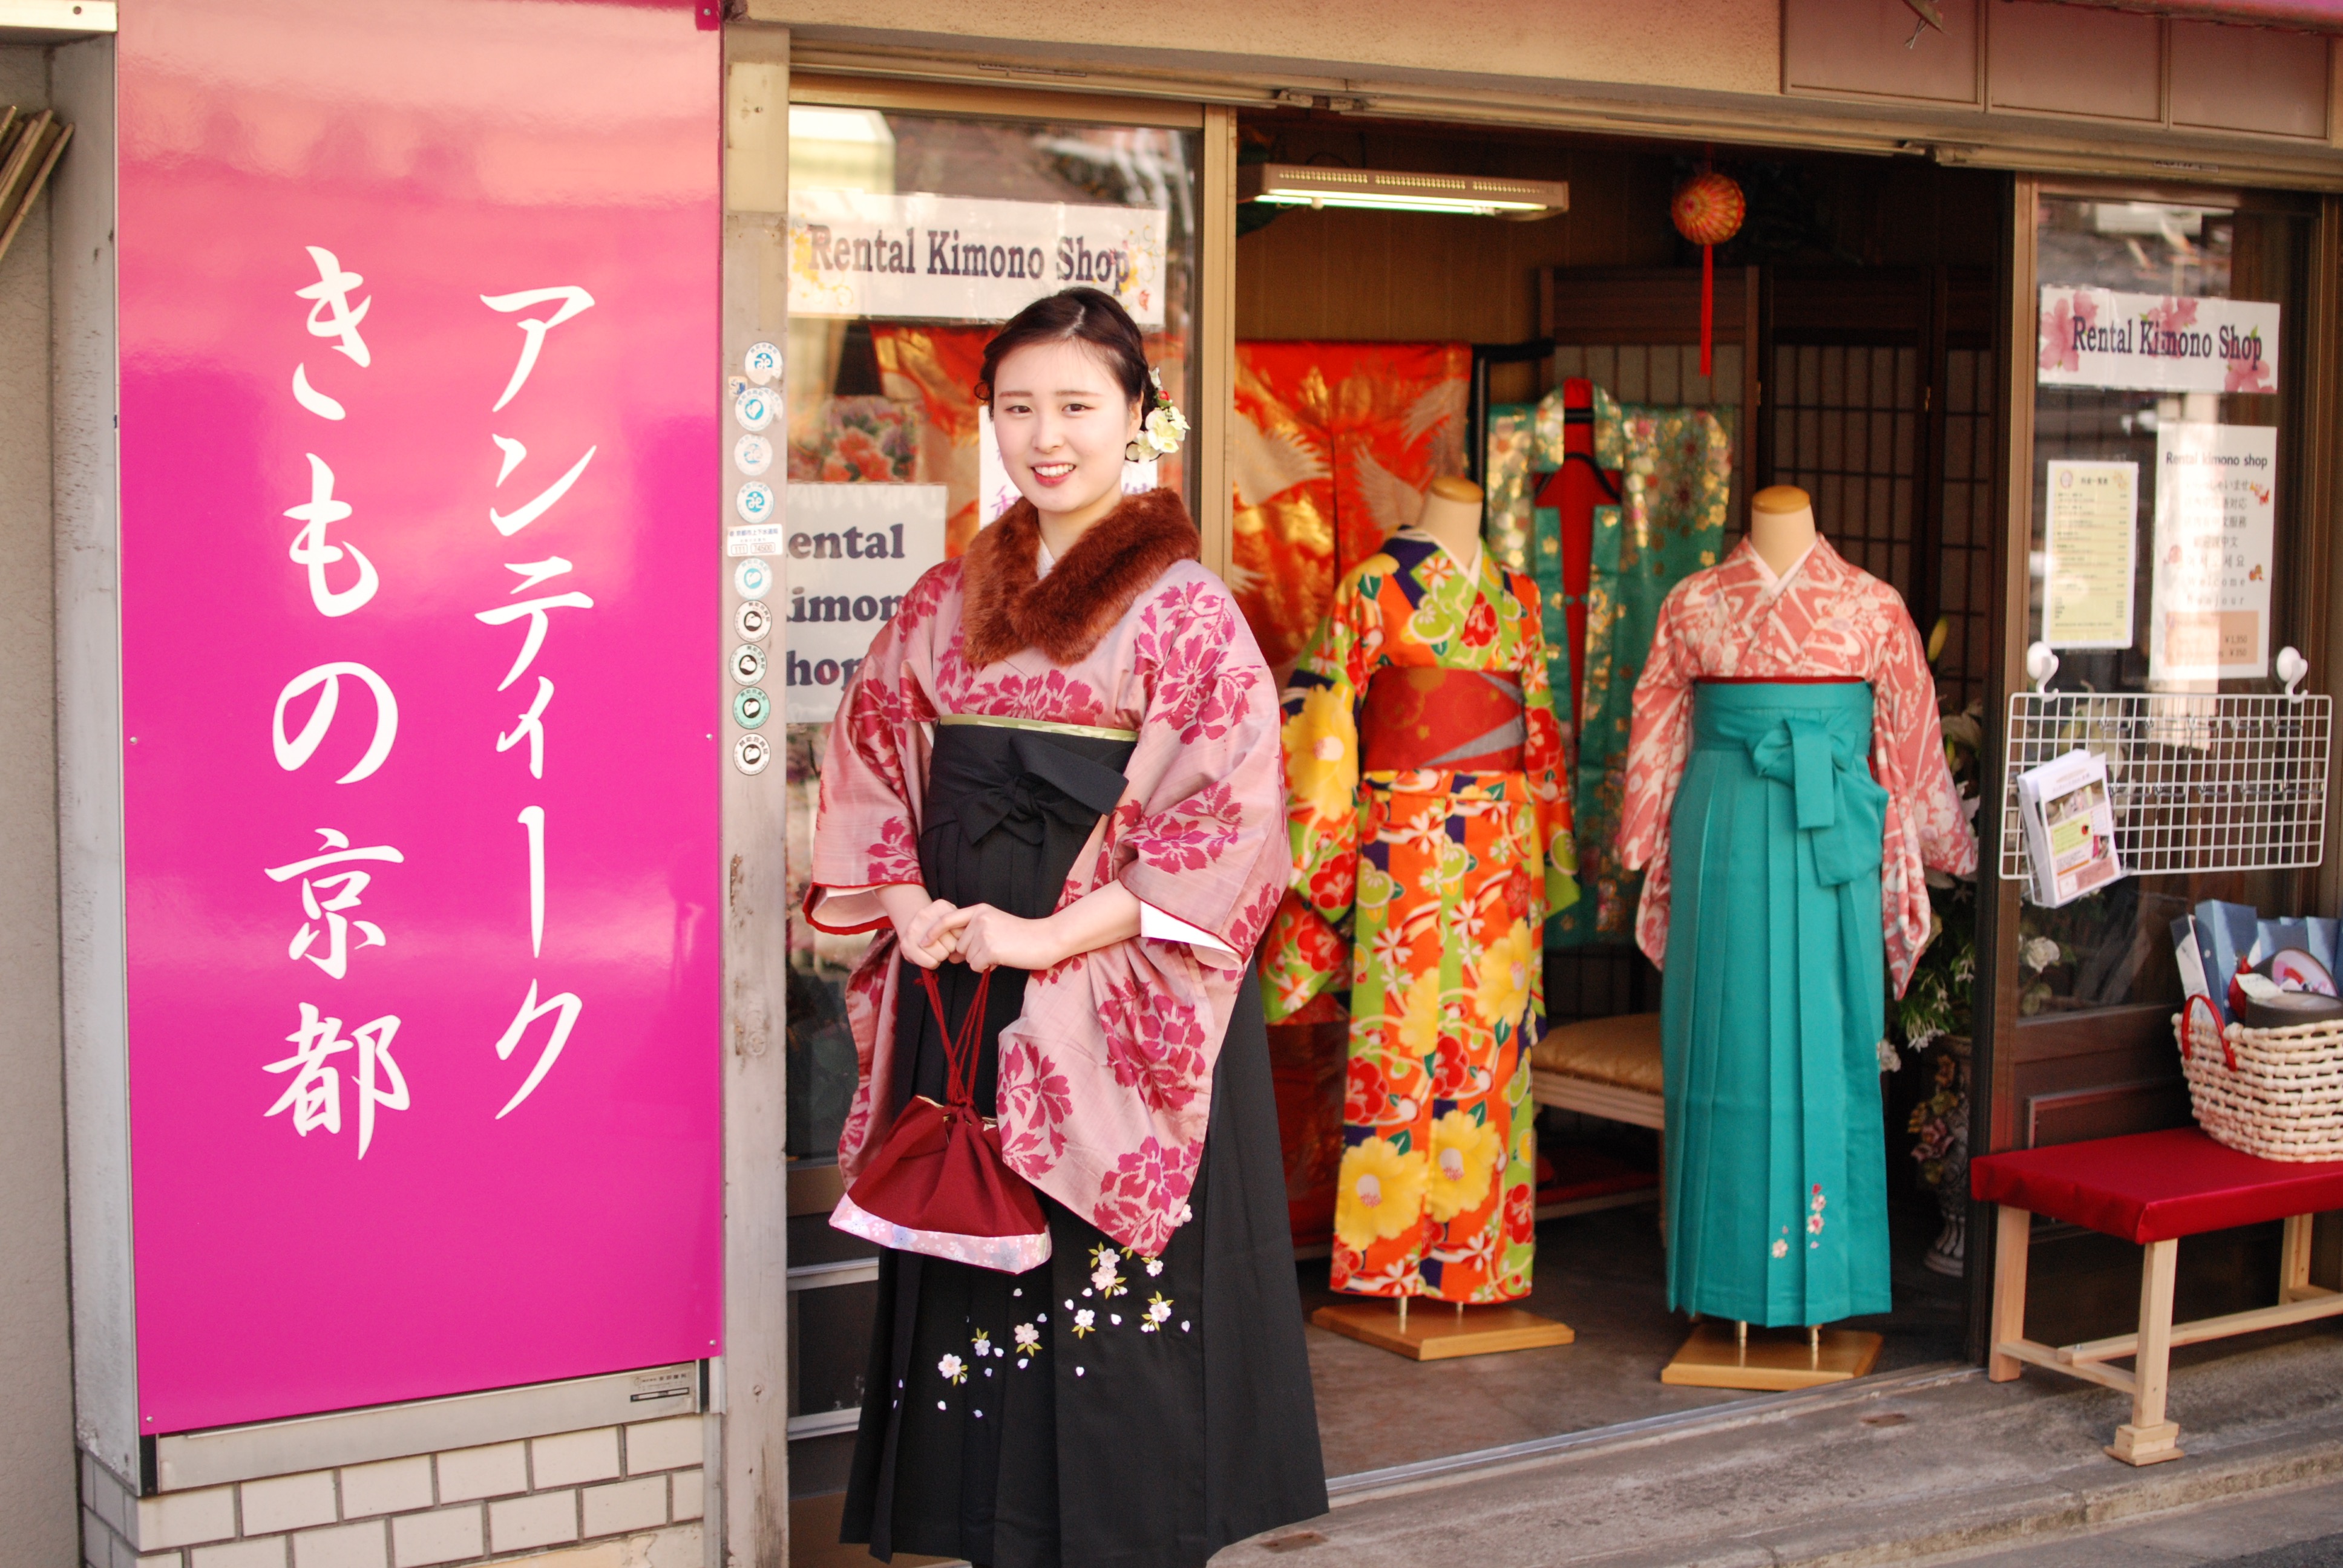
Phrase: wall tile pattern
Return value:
(640, 1485)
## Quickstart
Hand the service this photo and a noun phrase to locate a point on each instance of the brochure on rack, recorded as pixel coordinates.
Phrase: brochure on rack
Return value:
(2070, 827)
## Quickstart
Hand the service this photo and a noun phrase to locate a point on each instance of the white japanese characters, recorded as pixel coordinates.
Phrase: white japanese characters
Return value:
(535, 614)
(345, 889)
(333, 881)
(314, 1093)
(316, 514)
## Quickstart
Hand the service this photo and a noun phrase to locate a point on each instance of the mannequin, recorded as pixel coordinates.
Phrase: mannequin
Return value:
(1787, 792)
(1432, 839)
(1452, 515)
(1781, 527)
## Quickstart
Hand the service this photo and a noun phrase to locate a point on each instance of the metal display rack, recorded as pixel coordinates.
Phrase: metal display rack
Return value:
(2199, 781)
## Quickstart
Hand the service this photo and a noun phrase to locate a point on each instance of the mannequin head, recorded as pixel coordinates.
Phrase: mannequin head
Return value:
(1451, 513)
(1781, 525)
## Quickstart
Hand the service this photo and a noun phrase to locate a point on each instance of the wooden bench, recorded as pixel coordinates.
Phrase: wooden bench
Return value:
(1606, 1067)
(2151, 1187)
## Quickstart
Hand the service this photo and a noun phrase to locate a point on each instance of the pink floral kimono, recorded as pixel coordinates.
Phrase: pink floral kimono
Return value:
(1826, 619)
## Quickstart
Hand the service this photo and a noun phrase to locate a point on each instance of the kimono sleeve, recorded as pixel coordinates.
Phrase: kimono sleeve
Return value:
(1926, 827)
(1542, 755)
(1306, 952)
(1658, 739)
(866, 832)
(1202, 845)
(1909, 754)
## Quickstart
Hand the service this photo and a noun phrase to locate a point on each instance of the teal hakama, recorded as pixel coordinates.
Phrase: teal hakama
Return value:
(1773, 1003)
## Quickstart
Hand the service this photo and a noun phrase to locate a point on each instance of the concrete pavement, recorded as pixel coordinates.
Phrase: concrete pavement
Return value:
(2298, 1527)
(1926, 1465)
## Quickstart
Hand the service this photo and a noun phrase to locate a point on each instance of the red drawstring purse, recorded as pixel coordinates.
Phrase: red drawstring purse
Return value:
(939, 1185)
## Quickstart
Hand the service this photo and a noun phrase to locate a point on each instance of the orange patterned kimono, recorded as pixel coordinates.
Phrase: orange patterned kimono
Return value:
(1443, 876)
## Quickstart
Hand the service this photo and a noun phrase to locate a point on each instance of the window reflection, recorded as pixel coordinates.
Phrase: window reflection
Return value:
(886, 397)
(2114, 948)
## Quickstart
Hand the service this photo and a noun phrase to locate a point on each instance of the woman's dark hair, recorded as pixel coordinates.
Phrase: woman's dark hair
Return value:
(1083, 315)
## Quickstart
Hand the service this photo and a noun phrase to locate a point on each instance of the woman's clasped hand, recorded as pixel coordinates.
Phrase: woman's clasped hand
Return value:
(933, 932)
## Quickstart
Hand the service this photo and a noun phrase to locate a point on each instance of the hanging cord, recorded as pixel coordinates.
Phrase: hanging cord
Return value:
(960, 1050)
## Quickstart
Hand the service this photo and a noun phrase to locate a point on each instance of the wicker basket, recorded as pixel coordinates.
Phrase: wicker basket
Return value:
(2273, 1092)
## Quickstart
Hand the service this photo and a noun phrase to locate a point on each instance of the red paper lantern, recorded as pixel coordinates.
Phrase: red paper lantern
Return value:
(1708, 210)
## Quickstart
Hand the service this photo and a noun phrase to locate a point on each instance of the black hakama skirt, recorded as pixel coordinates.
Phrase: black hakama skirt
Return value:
(1103, 1409)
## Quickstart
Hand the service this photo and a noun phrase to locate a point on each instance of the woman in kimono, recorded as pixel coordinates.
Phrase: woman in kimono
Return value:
(1058, 767)
(1428, 818)
(1787, 793)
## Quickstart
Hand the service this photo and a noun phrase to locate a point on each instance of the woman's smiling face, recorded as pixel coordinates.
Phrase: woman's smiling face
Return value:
(1062, 424)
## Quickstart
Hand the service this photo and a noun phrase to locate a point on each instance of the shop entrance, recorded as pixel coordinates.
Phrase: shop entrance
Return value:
(1559, 361)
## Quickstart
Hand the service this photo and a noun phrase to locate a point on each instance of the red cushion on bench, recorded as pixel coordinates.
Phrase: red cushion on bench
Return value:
(2155, 1186)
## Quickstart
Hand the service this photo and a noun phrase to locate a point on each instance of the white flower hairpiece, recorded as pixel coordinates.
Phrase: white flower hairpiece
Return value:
(1164, 428)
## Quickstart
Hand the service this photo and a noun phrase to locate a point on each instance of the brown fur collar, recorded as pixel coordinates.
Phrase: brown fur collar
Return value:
(1066, 613)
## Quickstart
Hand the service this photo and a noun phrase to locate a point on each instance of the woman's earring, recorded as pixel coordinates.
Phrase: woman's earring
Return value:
(1137, 452)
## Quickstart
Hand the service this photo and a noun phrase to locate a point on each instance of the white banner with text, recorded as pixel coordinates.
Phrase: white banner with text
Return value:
(966, 259)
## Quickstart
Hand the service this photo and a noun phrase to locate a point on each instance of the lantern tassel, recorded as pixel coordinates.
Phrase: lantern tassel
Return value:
(1707, 303)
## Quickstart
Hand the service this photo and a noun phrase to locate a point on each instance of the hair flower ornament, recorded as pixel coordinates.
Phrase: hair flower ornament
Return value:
(1164, 428)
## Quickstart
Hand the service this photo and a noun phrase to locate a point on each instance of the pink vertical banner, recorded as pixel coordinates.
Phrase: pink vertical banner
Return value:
(419, 384)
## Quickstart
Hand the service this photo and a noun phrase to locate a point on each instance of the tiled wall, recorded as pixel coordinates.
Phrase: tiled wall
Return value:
(611, 1497)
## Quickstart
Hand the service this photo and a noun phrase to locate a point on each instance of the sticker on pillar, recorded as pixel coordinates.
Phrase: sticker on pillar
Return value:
(763, 363)
(753, 620)
(755, 540)
(751, 708)
(748, 664)
(752, 455)
(734, 386)
(756, 408)
(855, 551)
(751, 754)
(753, 502)
(752, 579)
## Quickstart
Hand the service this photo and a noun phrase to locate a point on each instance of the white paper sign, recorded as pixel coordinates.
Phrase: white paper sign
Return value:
(2090, 539)
(2215, 504)
(2156, 342)
(964, 259)
(851, 553)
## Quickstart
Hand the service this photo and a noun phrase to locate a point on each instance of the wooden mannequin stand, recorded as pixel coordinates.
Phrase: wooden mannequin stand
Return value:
(1436, 1335)
(1717, 1356)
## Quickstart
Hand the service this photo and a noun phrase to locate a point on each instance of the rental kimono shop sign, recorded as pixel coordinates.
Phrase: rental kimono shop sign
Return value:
(961, 258)
(2156, 342)
(419, 612)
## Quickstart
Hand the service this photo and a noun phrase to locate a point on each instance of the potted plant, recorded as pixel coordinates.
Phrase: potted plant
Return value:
(1933, 1016)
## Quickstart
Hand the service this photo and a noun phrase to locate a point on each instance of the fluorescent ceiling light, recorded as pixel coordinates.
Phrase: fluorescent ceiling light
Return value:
(1389, 190)
(813, 122)
(2150, 217)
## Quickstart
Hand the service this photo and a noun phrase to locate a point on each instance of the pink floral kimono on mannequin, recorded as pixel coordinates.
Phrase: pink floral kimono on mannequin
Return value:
(1023, 732)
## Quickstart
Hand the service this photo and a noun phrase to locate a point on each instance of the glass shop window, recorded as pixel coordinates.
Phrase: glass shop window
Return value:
(913, 238)
(2166, 441)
